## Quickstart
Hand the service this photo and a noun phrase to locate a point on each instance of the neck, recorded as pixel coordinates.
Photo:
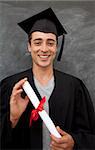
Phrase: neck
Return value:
(43, 75)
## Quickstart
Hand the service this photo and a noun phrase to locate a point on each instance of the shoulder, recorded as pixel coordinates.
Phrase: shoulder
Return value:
(68, 78)
(71, 82)
(11, 80)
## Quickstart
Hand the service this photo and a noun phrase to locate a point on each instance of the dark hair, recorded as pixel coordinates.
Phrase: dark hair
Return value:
(29, 38)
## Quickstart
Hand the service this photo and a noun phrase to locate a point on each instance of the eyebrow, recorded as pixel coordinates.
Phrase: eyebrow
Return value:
(39, 39)
(51, 40)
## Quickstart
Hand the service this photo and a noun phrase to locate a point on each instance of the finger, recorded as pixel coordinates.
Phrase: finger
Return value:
(26, 98)
(57, 140)
(15, 93)
(55, 148)
(68, 140)
(26, 101)
(61, 131)
(61, 140)
(19, 84)
(62, 146)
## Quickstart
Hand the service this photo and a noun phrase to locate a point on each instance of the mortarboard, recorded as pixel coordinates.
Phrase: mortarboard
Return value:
(45, 21)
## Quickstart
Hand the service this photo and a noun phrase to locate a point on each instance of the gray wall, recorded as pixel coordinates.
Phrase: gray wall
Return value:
(78, 19)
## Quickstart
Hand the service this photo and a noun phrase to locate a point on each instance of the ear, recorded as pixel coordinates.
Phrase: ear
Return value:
(29, 47)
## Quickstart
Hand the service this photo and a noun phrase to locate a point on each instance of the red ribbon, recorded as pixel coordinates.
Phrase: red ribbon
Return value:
(34, 113)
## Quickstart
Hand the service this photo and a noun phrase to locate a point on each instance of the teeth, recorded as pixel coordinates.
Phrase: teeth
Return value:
(43, 56)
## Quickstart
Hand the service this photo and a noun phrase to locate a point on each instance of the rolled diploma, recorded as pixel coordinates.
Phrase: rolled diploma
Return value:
(43, 114)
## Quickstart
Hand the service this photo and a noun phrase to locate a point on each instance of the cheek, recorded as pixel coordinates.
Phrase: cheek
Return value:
(35, 49)
(34, 52)
(54, 50)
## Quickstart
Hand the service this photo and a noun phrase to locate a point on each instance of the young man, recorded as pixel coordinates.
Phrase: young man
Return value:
(67, 99)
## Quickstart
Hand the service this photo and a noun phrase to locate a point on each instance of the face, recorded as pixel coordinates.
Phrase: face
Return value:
(43, 48)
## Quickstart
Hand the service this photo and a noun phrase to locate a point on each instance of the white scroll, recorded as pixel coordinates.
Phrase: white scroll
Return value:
(43, 114)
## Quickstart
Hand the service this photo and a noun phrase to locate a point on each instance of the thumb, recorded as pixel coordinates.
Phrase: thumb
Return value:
(61, 131)
(26, 99)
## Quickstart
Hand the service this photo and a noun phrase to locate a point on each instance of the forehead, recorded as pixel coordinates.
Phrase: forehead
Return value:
(42, 35)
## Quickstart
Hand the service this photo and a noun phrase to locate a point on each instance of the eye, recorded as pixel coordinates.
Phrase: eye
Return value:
(37, 43)
(51, 43)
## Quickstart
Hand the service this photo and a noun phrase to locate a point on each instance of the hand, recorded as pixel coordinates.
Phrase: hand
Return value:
(66, 142)
(17, 103)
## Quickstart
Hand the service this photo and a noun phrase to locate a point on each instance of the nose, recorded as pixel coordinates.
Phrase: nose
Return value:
(44, 48)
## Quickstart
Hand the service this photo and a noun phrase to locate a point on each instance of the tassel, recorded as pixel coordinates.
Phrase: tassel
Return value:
(61, 49)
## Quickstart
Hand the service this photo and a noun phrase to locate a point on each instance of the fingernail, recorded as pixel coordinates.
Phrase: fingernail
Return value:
(58, 127)
(25, 79)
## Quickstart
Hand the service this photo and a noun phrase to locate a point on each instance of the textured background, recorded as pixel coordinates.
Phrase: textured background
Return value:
(78, 19)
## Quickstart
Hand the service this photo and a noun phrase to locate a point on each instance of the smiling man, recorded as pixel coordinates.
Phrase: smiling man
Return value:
(43, 49)
(67, 100)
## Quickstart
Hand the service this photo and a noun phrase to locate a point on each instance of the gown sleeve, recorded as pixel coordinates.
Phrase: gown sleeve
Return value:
(6, 130)
(84, 119)
(11, 137)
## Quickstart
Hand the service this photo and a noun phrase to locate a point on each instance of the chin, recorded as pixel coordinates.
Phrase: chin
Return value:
(44, 65)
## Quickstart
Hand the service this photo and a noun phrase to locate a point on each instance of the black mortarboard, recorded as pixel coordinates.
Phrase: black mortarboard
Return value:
(46, 21)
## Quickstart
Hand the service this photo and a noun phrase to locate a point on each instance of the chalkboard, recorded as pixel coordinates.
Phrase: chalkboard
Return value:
(78, 19)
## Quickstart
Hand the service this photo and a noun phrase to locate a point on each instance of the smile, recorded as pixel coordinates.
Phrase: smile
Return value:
(44, 56)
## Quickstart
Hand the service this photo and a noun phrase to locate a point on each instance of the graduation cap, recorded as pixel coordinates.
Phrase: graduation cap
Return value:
(45, 21)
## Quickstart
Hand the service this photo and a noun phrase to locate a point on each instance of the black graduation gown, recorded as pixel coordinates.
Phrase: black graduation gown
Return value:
(70, 107)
